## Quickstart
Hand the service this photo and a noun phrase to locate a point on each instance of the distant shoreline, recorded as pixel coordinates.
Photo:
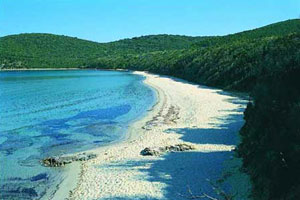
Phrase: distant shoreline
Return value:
(38, 69)
(59, 69)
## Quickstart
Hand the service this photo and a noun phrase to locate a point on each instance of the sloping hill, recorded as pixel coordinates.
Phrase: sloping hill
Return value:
(46, 51)
(50, 51)
(273, 30)
(232, 62)
(152, 43)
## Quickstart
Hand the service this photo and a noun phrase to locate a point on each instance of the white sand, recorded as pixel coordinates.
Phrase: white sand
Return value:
(120, 172)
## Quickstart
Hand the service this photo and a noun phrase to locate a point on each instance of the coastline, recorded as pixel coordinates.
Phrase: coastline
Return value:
(120, 171)
(56, 69)
(38, 69)
(73, 172)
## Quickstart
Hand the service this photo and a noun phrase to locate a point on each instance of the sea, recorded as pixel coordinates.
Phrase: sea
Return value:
(56, 112)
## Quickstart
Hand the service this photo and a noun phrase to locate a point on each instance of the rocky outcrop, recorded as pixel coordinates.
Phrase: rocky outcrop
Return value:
(60, 161)
(156, 151)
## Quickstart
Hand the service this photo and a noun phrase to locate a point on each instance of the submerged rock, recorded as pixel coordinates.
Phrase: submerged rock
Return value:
(55, 162)
(156, 151)
(64, 160)
(30, 191)
(41, 176)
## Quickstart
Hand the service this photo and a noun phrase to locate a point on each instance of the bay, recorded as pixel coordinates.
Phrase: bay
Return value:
(49, 113)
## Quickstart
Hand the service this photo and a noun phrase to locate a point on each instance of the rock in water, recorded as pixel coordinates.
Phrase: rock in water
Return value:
(63, 160)
(156, 151)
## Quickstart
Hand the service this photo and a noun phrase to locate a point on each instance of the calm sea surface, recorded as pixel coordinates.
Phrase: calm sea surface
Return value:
(46, 113)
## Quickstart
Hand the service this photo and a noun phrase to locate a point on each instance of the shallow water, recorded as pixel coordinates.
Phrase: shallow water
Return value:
(46, 113)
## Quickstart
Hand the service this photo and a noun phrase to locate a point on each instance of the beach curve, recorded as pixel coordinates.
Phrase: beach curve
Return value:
(184, 113)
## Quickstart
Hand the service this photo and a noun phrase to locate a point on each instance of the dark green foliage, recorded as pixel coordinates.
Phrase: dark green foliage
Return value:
(273, 30)
(264, 61)
(52, 51)
(270, 145)
(45, 51)
(235, 66)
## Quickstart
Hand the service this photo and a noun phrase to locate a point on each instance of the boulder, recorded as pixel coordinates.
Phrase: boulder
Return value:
(151, 151)
(156, 151)
(64, 160)
(180, 147)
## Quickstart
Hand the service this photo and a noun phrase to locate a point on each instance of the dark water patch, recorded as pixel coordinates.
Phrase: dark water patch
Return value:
(60, 143)
(19, 193)
(97, 129)
(55, 135)
(103, 141)
(100, 130)
(61, 147)
(30, 191)
(55, 125)
(54, 130)
(15, 143)
(42, 176)
(15, 179)
(30, 161)
(38, 177)
(18, 188)
(94, 123)
(107, 113)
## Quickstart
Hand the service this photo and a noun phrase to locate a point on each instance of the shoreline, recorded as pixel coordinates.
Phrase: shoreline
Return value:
(74, 170)
(38, 69)
(57, 69)
(120, 171)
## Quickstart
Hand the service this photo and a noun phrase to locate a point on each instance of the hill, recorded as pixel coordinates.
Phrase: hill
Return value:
(273, 30)
(54, 51)
(235, 62)
(231, 62)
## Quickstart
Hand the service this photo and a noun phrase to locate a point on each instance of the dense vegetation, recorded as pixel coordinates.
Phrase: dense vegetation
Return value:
(52, 51)
(270, 145)
(264, 62)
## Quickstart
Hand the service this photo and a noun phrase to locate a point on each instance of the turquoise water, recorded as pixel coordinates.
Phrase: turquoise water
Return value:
(46, 113)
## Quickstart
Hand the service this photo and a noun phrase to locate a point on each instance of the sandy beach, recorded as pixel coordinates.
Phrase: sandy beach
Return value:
(208, 119)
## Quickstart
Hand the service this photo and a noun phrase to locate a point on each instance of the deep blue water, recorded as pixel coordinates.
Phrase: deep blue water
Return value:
(46, 113)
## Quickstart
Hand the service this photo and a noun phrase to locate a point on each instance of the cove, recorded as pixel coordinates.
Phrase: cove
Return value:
(48, 113)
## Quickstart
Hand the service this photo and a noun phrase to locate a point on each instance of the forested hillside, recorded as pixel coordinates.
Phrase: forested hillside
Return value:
(231, 62)
(264, 62)
(270, 145)
(53, 51)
